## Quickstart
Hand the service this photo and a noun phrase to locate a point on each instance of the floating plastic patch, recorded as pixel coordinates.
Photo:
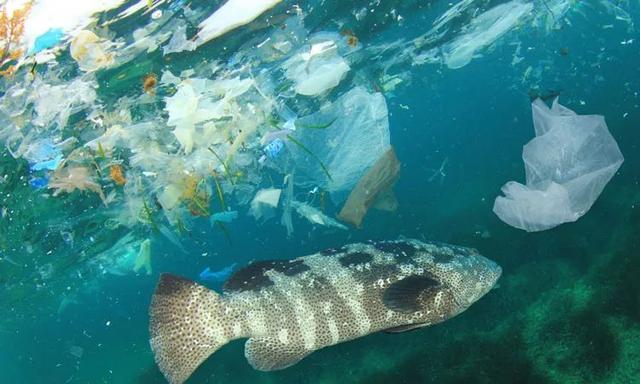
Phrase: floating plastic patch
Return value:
(273, 149)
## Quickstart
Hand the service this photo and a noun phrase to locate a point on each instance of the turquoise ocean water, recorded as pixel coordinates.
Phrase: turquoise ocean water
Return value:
(567, 308)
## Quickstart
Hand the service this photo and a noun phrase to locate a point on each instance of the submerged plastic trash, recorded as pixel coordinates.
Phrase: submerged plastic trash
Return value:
(43, 155)
(61, 101)
(286, 218)
(224, 217)
(342, 141)
(567, 166)
(373, 189)
(47, 40)
(316, 69)
(123, 257)
(233, 14)
(38, 182)
(49, 165)
(198, 101)
(69, 179)
(315, 216)
(179, 42)
(219, 276)
(143, 259)
(90, 52)
(483, 31)
(272, 150)
(264, 202)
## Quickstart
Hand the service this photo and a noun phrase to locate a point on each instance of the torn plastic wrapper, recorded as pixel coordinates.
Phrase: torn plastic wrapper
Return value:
(314, 216)
(373, 189)
(264, 203)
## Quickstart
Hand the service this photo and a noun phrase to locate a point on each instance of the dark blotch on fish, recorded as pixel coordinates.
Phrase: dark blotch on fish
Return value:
(400, 249)
(291, 268)
(332, 251)
(402, 296)
(442, 258)
(253, 278)
(355, 258)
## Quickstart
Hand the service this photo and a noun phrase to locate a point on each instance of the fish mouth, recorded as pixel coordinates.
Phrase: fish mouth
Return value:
(493, 273)
(496, 271)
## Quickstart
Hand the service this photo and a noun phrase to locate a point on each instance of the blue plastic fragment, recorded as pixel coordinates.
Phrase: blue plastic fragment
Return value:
(272, 150)
(47, 40)
(221, 275)
(38, 182)
(49, 165)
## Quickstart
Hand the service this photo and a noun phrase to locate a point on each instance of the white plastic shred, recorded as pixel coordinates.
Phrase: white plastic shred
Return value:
(233, 14)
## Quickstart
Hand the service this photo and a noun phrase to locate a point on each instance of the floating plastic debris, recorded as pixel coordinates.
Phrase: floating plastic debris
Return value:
(232, 14)
(373, 189)
(316, 69)
(567, 165)
(47, 40)
(314, 216)
(218, 276)
(56, 103)
(345, 139)
(43, 155)
(143, 259)
(483, 31)
(272, 150)
(38, 182)
(90, 52)
(264, 202)
(179, 42)
(68, 179)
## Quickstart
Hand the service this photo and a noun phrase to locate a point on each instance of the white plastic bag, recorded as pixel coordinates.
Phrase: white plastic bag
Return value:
(567, 166)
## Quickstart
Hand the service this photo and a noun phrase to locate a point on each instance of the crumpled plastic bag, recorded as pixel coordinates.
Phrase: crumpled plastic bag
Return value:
(567, 166)
(264, 203)
(335, 146)
(318, 68)
(56, 103)
(90, 51)
(198, 101)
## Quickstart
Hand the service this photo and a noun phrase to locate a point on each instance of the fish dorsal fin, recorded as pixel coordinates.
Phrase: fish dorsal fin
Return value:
(405, 328)
(268, 354)
(253, 278)
(403, 295)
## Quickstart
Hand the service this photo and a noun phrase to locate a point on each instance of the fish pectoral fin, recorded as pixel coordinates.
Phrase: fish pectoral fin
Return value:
(405, 328)
(267, 354)
(404, 295)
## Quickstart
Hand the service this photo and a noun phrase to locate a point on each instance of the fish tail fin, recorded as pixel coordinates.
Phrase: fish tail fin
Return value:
(187, 324)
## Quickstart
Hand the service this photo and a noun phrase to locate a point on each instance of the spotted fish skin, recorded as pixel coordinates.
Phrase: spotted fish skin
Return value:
(289, 308)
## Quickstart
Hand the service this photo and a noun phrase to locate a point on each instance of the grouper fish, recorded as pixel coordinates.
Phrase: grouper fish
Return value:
(289, 308)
